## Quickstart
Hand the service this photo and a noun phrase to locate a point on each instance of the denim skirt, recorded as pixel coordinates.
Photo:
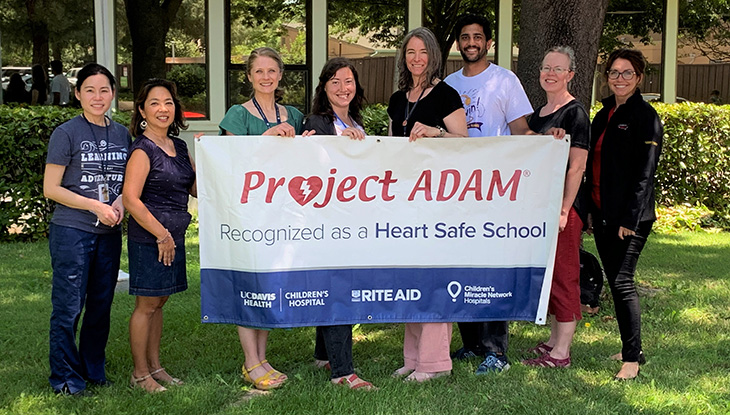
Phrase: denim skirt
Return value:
(149, 277)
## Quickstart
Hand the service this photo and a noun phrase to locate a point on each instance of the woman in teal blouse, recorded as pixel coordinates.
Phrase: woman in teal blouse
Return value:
(261, 115)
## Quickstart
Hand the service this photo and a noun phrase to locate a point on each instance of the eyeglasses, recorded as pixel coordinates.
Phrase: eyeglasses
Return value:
(558, 70)
(627, 74)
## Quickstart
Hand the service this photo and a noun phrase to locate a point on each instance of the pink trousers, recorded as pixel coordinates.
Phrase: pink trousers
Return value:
(426, 347)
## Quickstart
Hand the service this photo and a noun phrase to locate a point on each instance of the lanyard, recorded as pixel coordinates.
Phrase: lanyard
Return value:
(263, 116)
(409, 110)
(344, 126)
(102, 156)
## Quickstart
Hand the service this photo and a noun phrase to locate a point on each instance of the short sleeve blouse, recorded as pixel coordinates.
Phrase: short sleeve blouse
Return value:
(572, 117)
(431, 109)
(239, 121)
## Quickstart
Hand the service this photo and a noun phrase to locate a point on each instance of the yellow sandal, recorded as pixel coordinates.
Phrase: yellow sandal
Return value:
(264, 382)
(277, 374)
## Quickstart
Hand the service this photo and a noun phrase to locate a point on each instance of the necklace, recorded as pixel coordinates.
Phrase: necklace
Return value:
(409, 110)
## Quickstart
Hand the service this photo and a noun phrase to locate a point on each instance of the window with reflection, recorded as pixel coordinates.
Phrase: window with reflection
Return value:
(61, 31)
(186, 61)
(280, 25)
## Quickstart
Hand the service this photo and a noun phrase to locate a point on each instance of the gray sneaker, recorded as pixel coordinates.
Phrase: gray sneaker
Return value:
(493, 363)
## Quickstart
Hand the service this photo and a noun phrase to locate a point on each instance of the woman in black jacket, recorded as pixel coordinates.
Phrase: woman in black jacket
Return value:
(626, 143)
(337, 101)
(336, 111)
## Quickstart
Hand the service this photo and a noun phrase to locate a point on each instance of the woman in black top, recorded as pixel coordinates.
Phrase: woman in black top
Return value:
(563, 111)
(626, 143)
(336, 111)
(424, 107)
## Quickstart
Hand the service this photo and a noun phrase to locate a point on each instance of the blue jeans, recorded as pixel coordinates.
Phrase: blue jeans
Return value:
(85, 269)
(334, 343)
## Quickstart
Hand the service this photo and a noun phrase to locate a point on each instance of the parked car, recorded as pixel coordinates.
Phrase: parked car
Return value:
(27, 79)
(9, 70)
(654, 97)
(71, 75)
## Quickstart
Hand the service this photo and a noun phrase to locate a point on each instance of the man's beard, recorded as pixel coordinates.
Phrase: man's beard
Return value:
(479, 56)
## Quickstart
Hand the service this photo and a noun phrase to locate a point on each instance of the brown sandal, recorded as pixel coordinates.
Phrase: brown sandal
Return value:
(352, 383)
(137, 383)
(547, 361)
(171, 381)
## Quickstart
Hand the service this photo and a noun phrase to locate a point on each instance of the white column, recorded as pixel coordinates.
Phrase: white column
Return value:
(669, 53)
(1, 65)
(503, 55)
(216, 60)
(415, 14)
(318, 31)
(105, 48)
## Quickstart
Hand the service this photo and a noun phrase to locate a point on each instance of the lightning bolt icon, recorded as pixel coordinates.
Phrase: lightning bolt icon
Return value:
(306, 189)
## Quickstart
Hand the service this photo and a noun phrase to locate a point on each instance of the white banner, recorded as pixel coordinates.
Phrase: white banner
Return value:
(274, 211)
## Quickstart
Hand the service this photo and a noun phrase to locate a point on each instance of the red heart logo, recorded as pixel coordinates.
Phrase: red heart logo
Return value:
(304, 189)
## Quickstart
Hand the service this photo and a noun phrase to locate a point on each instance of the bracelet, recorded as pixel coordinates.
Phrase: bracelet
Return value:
(442, 132)
(162, 241)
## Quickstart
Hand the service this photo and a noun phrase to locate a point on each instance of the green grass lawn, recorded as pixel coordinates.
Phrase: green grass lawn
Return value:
(684, 280)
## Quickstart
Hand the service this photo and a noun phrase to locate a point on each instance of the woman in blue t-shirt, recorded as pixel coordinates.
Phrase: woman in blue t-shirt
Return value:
(84, 173)
(160, 176)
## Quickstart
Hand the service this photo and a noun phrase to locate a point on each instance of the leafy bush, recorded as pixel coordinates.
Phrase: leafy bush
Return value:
(24, 134)
(692, 218)
(695, 164)
(190, 79)
(375, 118)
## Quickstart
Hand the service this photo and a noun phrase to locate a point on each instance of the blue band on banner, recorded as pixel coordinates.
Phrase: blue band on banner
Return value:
(373, 295)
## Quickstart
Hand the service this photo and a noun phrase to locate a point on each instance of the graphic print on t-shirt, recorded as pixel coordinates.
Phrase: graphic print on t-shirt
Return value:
(474, 109)
(101, 161)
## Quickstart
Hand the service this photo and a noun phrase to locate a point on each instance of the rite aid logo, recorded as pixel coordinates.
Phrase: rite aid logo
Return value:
(385, 295)
(454, 289)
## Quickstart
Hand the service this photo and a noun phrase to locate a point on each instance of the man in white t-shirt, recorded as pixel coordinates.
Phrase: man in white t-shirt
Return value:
(495, 104)
(494, 100)
(60, 87)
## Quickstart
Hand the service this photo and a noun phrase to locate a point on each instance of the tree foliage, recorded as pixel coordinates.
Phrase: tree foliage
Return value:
(34, 31)
(705, 24)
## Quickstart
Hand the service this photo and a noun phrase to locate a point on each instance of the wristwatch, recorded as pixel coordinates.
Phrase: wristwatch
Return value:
(441, 131)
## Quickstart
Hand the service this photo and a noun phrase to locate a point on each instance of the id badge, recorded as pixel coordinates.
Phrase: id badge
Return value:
(103, 192)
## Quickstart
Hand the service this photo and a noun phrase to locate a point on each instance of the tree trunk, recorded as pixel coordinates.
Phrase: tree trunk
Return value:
(39, 34)
(149, 22)
(546, 23)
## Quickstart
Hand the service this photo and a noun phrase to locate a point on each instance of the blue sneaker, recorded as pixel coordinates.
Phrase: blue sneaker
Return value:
(493, 363)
